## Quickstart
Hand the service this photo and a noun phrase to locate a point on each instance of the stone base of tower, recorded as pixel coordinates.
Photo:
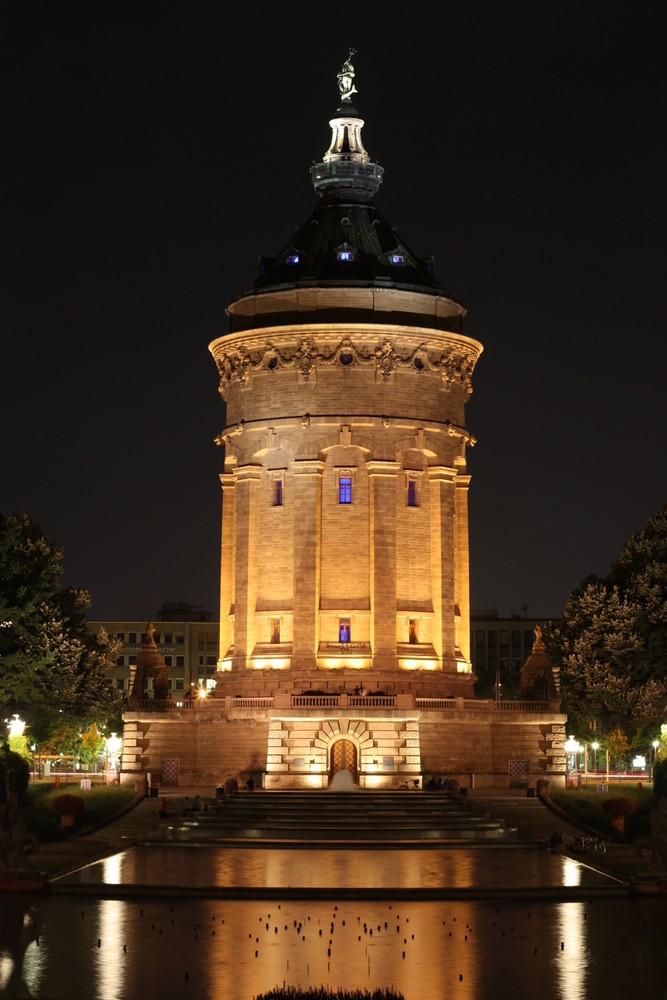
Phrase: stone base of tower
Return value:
(384, 738)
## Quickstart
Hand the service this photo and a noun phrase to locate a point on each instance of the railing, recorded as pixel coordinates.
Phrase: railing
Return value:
(484, 705)
(344, 700)
(248, 702)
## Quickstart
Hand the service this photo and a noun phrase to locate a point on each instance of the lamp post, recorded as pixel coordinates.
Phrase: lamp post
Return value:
(113, 744)
(571, 747)
(595, 747)
(655, 744)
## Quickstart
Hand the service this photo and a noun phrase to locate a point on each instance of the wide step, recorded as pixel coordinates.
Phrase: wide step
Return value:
(358, 816)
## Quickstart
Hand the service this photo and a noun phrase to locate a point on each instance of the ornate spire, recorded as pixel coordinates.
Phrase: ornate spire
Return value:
(346, 170)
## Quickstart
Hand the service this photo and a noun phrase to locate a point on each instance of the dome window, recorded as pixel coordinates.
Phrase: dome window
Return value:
(345, 253)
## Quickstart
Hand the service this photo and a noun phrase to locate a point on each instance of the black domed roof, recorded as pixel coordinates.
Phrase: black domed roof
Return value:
(346, 241)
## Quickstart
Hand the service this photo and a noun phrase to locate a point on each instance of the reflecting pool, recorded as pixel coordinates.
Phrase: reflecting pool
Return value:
(68, 946)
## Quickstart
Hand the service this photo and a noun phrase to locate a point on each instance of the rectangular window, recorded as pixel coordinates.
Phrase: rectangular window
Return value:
(120, 636)
(120, 662)
(345, 489)
(132, 637)
(168, 661)
(180, 661)
(120, 683)
(275, 630)
(412, 493)
(211, 661)
(277, 492)
(344, 630)
(413, 630)
(131, 660)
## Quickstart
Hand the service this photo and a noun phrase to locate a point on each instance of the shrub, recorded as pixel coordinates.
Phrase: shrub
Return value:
(660, 778)
(14, 775)
(68, 805)
(618, 806)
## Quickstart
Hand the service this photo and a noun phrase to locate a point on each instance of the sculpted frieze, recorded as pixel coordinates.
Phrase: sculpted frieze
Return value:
(237, 364)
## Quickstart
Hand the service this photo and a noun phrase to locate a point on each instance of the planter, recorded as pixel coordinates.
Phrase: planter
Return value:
(67, 819)
(618, 823)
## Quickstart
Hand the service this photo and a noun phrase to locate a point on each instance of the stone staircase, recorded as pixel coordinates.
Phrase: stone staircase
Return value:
(360, 817)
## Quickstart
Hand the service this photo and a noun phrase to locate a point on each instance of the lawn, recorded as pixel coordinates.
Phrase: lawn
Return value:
(584, 805)
(101, 802)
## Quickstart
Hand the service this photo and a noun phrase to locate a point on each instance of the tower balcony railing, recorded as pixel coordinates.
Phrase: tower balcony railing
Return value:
(343, 700)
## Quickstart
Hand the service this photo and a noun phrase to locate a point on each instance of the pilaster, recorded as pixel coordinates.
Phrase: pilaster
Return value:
(307, 557)
(462, 565)
(382, 506)
(443, 561)
(246, 489)
(227, 565)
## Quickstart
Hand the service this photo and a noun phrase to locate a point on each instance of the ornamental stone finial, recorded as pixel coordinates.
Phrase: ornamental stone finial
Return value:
(345, 78)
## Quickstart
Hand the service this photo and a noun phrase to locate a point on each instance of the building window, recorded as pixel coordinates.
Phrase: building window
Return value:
(412, 493)
(211, 661)
(120, 683)
(275, 630)
(413, 630)
(293, 258)
(168, 661)
(344, 630)
(277, 492)
(131, 660)
(120, 636)
(180, 661)
(180, 684)
(120, 662)
(132, 637)
(344, 489)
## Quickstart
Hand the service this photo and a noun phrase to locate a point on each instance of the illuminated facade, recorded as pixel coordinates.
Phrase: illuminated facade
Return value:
(345, 375)
(344, 608)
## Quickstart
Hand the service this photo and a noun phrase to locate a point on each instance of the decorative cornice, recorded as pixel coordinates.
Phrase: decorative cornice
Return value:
(237, 363)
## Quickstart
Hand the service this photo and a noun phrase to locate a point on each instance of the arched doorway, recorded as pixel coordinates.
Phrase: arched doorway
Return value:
(343, 758)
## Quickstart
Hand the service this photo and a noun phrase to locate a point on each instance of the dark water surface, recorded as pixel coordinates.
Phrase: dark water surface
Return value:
(79, 946)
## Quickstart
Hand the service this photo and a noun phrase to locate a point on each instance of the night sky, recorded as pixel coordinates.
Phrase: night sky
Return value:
(151, 152)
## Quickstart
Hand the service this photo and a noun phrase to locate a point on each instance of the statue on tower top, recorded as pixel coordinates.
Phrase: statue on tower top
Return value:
(345, 78)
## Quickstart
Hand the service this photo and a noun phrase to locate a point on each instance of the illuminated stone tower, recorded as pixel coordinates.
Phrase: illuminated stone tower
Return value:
(344, 586)
(345, 374)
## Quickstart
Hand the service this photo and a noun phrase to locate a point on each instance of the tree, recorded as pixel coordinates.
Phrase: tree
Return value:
(612, 642)
(50, 665)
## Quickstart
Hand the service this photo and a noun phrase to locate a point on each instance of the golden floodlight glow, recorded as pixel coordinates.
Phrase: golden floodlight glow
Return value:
(273, 664)
(418, 665)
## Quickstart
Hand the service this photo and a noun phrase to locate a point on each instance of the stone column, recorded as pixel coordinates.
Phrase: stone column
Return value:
(307, 558)
(462, 565)
(443, 563)
(246, 490)
(382, 507)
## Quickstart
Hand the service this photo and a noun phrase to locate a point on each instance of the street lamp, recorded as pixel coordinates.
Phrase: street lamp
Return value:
(16, 726)
(655, 744)
(595, 746)
(572, 748)
(113, 744)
